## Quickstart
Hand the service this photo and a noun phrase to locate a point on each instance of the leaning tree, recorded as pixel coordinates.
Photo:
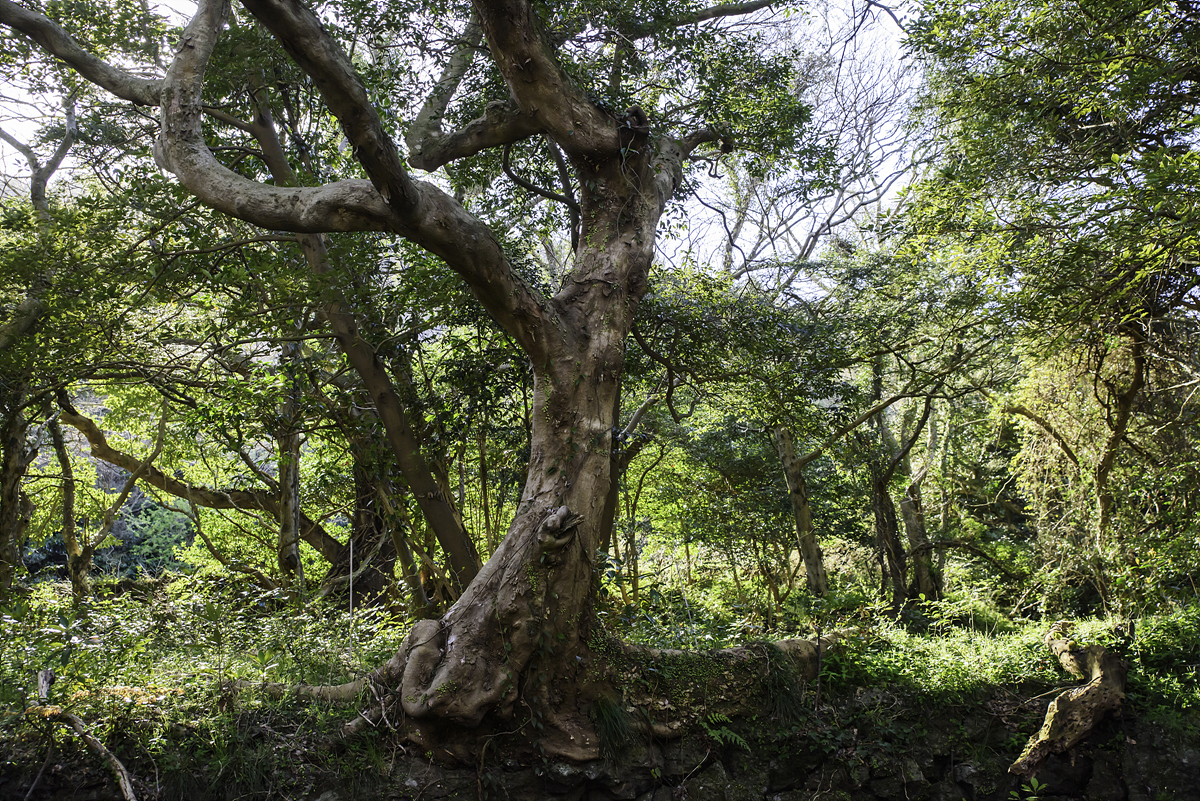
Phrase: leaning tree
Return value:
(616, 103)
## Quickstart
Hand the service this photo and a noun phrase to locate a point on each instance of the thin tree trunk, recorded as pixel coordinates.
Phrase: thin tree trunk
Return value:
(434, 502)
(926, 579)
(806, 540)
(16, 454)
(77, 570)
(291, 567)
(374, 548)
(888, 538)
(420, 604)
(484, 500)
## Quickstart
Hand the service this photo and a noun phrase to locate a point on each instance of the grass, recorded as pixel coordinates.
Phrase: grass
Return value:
(149, 670)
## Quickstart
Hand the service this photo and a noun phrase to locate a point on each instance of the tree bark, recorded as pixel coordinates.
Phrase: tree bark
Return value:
(927, 585)
(1073, 714)
(16, 454)
(287, 443)
(77, 568)
(806, 540)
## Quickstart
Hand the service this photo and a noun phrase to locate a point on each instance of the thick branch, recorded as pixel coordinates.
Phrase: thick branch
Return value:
(502, 123)
(695, 17)
(541, 88)
(341, 206)
(54, 40)
(319, 55)
(25, 316)
(418, 211)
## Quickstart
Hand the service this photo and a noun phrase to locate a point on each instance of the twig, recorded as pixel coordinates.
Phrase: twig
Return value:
(49, 756)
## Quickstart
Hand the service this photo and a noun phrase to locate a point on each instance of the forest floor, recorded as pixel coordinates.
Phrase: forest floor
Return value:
(916, 707)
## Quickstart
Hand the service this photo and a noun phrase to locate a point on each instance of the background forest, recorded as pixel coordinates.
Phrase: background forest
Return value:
(916, 355)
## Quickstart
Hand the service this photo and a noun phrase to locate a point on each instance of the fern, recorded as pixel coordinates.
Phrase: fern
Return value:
(714, 727)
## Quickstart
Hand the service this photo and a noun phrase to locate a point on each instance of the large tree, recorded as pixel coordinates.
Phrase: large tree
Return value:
(689, 80)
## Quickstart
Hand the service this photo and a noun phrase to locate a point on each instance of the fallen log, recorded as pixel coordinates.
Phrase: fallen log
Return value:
(1074, 713)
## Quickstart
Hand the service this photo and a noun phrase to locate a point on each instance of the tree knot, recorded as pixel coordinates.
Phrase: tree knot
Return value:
(557, 528)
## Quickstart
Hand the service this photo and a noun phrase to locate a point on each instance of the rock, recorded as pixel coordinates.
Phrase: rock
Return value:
(711, 785)
(658, 794)
(681, 757)
(945, 790)
(1105, 784)
(965, 773)
(888, 787)
(784, 774)
(1064, 774)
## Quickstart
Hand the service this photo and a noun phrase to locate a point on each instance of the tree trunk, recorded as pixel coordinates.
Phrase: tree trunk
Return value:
(287, 443)
(1118, 425)
(887, 537)
(15, 457)
(374, 544)
(927, 583)
(79, 559)
(810, 549)
(527, 615)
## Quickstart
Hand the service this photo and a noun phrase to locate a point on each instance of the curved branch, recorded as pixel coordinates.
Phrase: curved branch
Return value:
(502, 123)
(695, 17)
(122, 774)
(313, 533)
(1045, 425)
(532, 187)
(42, 31)
(342, 206)
(418, 211)
(538, 83)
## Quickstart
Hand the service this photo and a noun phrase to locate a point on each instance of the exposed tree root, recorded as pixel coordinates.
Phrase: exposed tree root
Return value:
(387, 676)
(662, 691)
(1074, 713)
(57, 714)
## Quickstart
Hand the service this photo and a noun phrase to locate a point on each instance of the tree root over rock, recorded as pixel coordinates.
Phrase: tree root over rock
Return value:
(1073, 714)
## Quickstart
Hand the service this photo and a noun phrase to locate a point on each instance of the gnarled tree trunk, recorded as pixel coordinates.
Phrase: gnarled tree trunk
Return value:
(518, 637)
